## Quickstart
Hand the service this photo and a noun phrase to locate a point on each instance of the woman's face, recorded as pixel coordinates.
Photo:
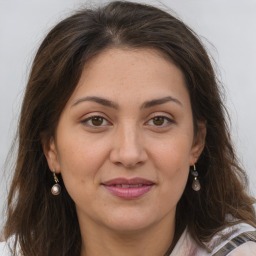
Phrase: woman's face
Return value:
(125, 141)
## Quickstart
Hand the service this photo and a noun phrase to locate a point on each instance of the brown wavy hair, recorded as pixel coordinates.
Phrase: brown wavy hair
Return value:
(42, 224)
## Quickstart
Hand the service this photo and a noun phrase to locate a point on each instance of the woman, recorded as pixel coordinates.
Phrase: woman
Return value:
(123, 144)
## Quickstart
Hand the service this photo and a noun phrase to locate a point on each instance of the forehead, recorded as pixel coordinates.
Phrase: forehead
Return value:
(125, 72)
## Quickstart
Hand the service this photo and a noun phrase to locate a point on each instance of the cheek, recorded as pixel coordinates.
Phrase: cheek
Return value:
(78, 151)
(172, 160)
(80, 160)
(80, 170)
(173, 153)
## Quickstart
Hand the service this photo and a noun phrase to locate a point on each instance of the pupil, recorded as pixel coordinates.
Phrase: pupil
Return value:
(158, 120)
(97, 120)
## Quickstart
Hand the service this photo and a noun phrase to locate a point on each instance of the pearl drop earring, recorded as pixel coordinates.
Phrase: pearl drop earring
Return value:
(56, 188)
(195, 184)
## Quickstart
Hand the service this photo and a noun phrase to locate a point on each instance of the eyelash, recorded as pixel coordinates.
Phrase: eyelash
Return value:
(167, 121)
(88, 121)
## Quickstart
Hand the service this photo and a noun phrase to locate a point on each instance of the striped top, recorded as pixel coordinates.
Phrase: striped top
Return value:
(237, 240)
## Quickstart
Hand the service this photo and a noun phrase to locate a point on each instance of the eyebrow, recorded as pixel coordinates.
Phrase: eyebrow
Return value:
(111, 104)
(99, 100)
(152, 103)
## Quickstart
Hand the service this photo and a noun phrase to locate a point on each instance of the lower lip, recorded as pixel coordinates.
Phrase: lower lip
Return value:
(129, 193)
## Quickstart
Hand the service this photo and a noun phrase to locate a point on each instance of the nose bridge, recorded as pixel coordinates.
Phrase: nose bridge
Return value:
(129, 135)
(128, 148)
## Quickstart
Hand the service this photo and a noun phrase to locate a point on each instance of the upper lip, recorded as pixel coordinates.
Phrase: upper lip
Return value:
(125, 181)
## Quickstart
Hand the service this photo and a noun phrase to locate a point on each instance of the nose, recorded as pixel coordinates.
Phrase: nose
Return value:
(128, 149)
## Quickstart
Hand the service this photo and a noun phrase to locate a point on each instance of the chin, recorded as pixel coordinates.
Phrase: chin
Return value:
(130, 221)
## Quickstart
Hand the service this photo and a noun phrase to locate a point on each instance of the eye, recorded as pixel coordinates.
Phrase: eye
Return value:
(95, 121)
(160, 121)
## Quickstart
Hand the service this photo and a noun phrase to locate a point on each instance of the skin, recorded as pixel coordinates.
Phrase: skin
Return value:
(129, 141)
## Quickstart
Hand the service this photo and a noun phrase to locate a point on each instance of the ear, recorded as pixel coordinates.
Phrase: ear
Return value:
(51, 154)
(198, 143)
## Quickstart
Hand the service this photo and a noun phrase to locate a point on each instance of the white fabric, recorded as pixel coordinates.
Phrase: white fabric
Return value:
(218, 241)
(247, 249)
(187, 246)
(4, 249)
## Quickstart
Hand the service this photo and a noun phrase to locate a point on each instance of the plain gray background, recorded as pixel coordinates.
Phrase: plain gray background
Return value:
(227, 28)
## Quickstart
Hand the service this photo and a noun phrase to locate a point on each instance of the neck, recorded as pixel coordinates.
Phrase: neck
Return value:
(153, 241)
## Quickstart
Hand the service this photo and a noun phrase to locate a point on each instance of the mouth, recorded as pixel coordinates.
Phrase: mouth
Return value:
(128, 188)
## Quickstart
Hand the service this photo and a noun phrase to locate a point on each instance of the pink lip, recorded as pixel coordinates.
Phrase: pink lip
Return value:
(128, 188)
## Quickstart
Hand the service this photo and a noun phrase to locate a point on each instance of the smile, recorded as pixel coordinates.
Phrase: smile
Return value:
(128, 188)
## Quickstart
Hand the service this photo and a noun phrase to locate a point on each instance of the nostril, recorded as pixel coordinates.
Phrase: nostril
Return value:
(127, 149)
(127, 158)
(129, 165)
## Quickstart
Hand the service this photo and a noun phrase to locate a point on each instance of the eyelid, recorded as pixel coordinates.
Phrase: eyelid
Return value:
(166, 116)
(90, 116)
(161, 114)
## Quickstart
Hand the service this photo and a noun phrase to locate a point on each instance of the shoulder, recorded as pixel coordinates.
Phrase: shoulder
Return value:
(246, 249)
(233, 240)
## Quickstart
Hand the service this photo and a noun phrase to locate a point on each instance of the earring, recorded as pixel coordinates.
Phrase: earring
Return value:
(195, 184)
(56, 188)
